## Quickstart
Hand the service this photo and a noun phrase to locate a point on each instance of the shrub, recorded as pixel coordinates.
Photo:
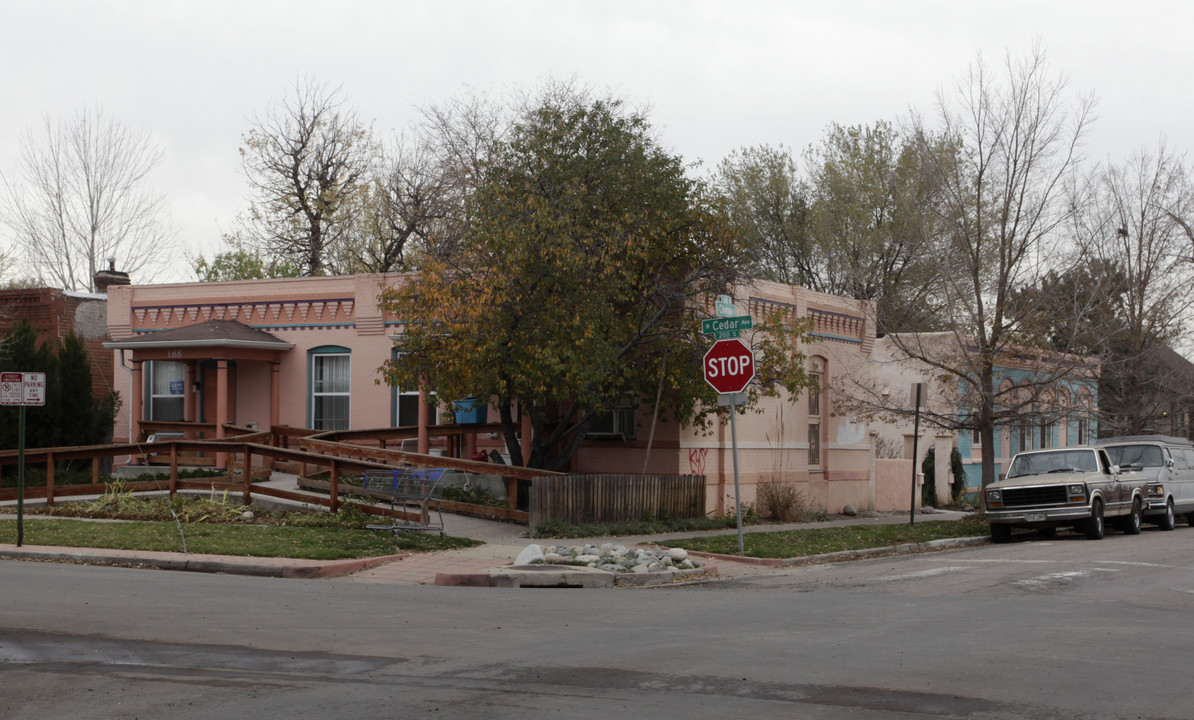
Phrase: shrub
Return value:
(928, 491)
(959, 471)
(782, 500)
(473, 496)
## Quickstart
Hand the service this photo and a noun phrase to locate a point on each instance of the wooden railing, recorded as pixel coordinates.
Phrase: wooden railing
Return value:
(323, 463)
(250, 458)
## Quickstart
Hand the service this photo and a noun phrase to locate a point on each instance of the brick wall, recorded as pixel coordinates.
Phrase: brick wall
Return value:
(54, 314)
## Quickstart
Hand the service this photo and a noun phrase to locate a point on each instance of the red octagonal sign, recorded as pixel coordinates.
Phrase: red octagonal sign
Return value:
(729, 366)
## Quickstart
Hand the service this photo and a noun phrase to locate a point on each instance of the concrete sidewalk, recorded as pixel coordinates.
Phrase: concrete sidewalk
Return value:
(485, 565)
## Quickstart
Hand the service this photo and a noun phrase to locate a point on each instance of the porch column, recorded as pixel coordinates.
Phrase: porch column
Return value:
(424, 444)
(221, 407)
(275, 394)
(469, 442)
(190, 397)
(526, 439)
(137, 405)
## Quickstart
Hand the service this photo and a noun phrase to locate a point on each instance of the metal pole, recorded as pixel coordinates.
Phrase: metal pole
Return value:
(655, 416)
(915, 441)
(737, 490)
(21, 476)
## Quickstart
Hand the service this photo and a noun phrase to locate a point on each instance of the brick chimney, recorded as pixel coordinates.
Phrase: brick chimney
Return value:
(104, 279)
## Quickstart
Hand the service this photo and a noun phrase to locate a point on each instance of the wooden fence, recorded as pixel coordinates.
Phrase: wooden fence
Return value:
(577, 499)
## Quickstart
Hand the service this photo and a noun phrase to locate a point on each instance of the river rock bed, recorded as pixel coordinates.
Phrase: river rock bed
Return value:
(609, 557)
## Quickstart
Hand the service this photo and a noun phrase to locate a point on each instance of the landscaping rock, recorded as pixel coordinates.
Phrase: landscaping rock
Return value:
(530, 554)
(609, 557)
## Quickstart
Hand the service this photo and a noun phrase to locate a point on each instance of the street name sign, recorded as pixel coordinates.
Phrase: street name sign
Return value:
(726, 328)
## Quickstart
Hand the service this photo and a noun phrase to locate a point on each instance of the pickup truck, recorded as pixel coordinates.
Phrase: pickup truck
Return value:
(1078, 486)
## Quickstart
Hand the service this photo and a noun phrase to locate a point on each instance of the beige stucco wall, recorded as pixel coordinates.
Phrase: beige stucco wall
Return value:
(309, 312)
(312, 312)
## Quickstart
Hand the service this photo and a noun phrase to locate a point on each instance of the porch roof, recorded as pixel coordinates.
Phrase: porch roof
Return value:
(209, 334)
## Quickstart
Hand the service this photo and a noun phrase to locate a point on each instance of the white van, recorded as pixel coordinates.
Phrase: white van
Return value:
(1169, 464)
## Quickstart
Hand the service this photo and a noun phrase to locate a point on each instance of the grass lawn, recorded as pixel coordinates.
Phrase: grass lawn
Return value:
(215, 525)
(815, 541)
(313, 543)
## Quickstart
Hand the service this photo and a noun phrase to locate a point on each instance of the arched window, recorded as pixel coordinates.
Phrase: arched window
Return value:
(1045, 422)
(330, 387)
(816, 412)
(1083, 423)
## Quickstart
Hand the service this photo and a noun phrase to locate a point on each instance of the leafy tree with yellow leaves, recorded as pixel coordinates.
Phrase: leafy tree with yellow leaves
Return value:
(589, 261)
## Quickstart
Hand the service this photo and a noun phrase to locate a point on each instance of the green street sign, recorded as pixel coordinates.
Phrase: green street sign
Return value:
(726, 328)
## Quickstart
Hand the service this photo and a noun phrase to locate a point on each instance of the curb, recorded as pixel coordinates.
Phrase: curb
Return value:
(842, 555)
(562, 576)
(542, 576)
(299, 570)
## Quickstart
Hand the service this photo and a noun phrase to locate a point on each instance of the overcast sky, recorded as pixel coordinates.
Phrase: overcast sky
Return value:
(716, 75)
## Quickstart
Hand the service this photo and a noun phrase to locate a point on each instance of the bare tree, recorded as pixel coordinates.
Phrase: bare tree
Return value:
(307, 161)
(416, 204)
(997, 166)
(1135, 223)
(403, 210)
(461, 138)
(79, 197)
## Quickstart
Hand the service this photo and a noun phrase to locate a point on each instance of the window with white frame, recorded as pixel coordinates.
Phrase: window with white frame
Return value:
(166, 382)
(330, 389)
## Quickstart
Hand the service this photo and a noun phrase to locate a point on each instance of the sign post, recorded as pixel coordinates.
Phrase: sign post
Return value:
(729, 368)
(916, 398)
(22, 389)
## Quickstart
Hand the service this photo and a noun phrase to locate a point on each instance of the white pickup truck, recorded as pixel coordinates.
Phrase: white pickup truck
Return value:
(1079, 486)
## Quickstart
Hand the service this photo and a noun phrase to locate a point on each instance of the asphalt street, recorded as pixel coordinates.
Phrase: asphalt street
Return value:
(1063, 628)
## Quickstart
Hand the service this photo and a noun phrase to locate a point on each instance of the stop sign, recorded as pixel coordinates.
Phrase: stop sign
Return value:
(729, 366)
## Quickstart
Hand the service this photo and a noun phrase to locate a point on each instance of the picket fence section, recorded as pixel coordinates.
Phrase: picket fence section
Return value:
(578, 499)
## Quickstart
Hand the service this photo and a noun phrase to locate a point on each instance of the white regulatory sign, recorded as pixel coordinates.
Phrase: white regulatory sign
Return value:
(22, 388)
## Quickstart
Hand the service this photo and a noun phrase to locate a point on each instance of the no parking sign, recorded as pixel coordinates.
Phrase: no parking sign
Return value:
(18, 388)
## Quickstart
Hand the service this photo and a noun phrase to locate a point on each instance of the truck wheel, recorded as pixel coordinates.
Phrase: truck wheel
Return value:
(1168, 519)
(1131, 524)
(1094, 524)
(1001, 533)
(1190, 519)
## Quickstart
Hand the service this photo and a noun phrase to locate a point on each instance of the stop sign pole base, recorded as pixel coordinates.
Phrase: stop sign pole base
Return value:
(734, 442)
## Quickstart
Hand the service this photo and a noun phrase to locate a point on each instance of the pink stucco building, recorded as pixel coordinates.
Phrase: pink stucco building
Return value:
(306, 352)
